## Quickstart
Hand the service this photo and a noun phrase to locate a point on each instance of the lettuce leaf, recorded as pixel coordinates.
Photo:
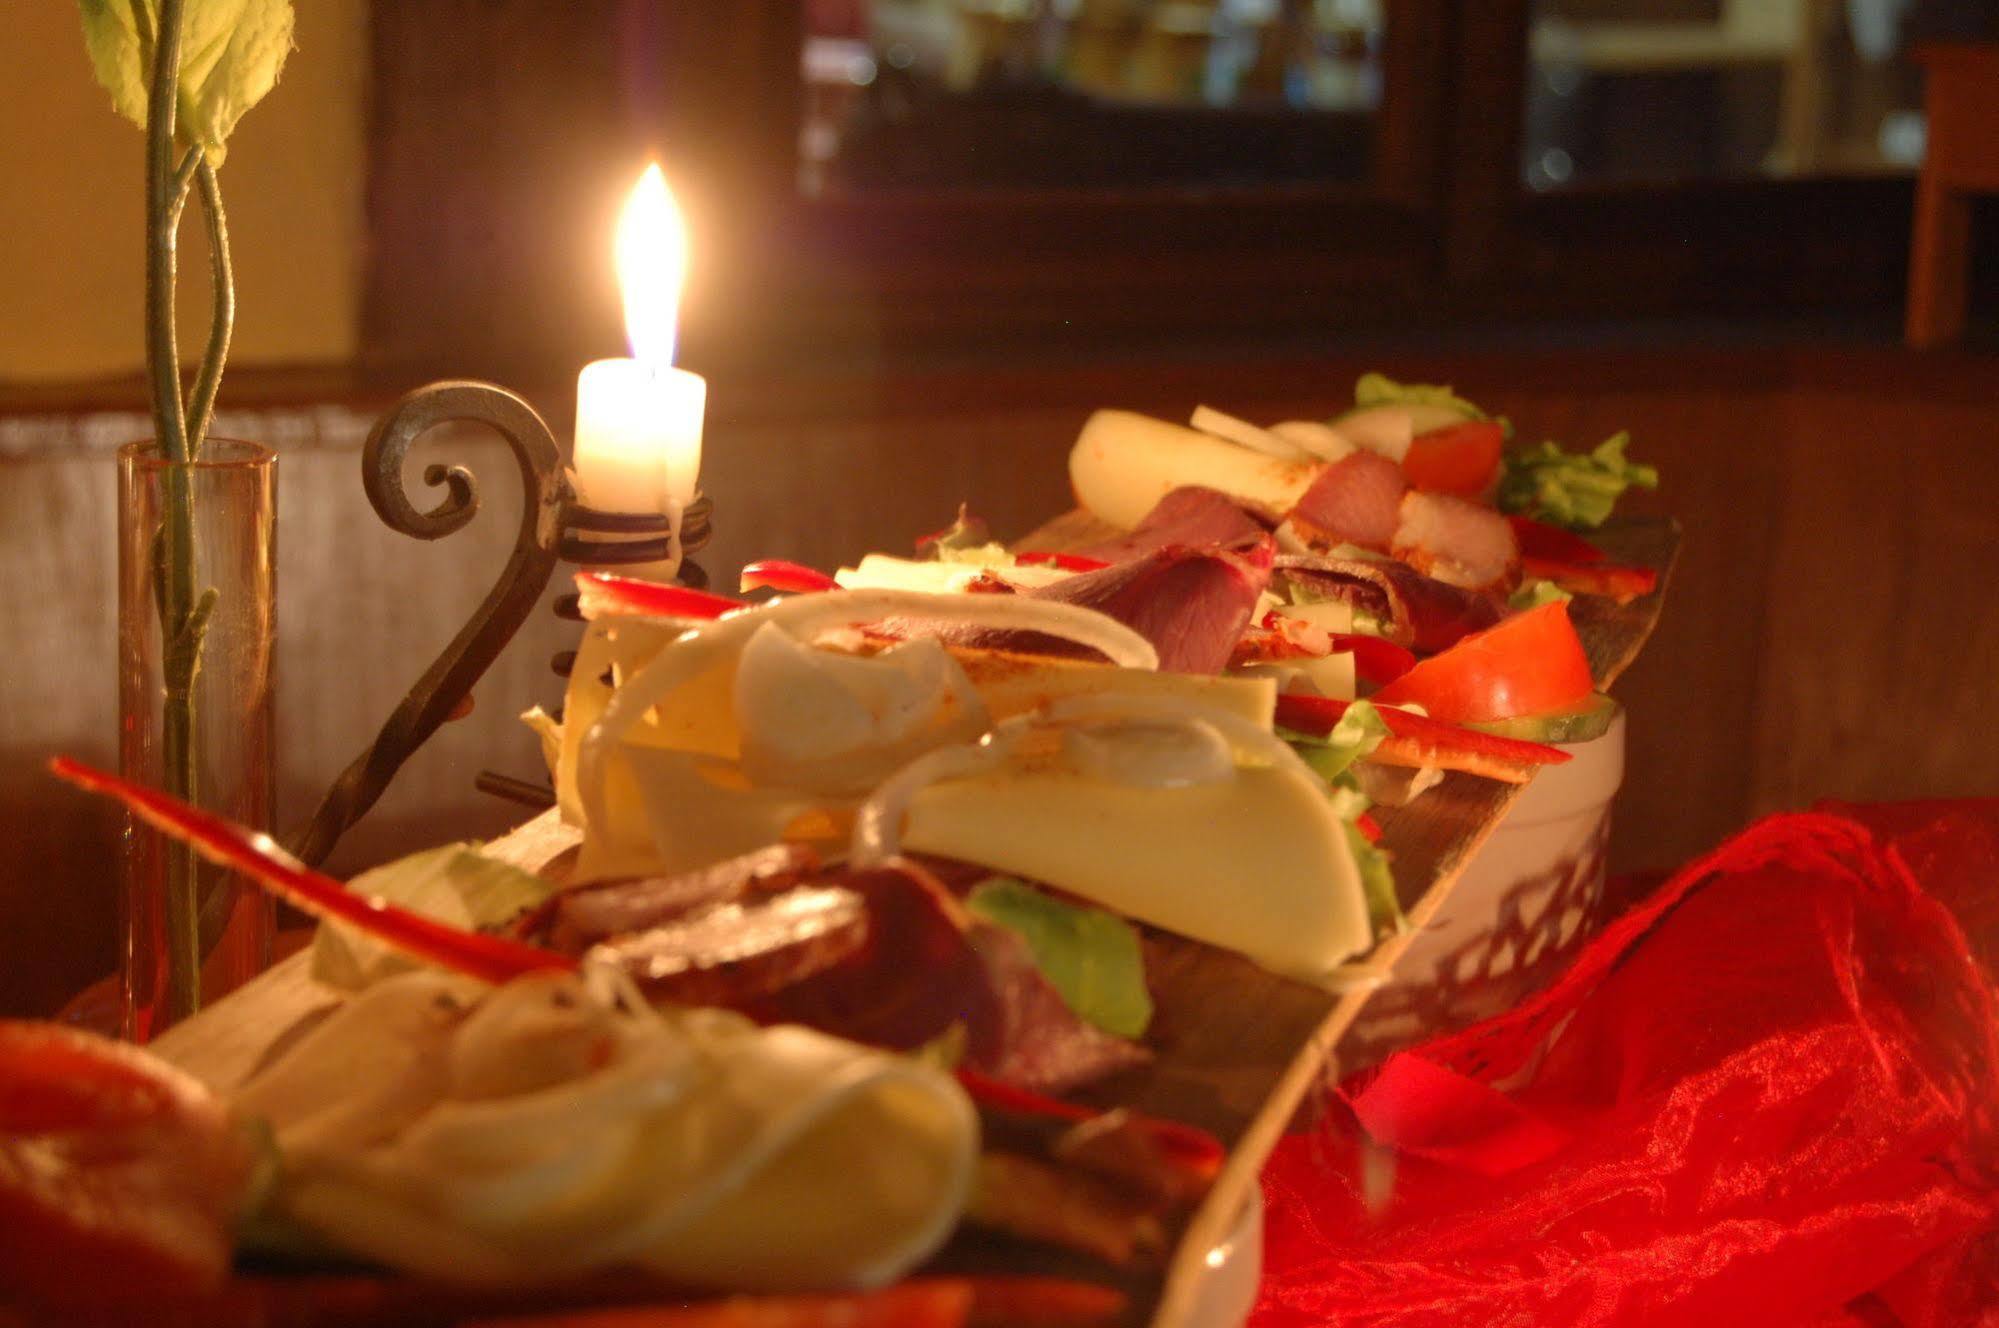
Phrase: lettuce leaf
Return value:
(1377, 882)
(455, 883)
(1360, 730)
(1091, 958)
(1376, 389)
(1534, 592)
(1572, 489)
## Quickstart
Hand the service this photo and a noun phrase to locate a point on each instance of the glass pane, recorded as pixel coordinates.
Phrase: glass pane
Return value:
(1027, 94)
(1676, 89)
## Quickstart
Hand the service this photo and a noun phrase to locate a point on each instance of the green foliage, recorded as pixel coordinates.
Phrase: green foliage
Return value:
(231, 54)
(1572, 489)
(1378, 389)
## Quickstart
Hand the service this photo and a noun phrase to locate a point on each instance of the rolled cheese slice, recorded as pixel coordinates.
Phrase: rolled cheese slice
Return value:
(557, 1126)
(1257, 863)
(1123, 463)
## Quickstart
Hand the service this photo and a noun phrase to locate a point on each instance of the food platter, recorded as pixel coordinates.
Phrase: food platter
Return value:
(1237, 1050)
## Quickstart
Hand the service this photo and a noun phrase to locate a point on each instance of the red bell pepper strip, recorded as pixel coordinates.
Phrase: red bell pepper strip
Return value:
(1370, 829)
(602, 593)
(1068, 562)
(1194, 1150)
(1538, 539)
(253, 853)
(781, 574)
(1613, 580)
(1415, 740)
(931, 1303)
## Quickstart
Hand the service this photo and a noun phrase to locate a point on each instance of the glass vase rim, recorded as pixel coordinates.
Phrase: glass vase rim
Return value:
(218, 454)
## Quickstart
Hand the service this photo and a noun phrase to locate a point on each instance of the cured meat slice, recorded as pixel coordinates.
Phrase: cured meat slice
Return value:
(1191, 516)
(1414, 610)
(1356, 500)
(575, 919)
(929, 966)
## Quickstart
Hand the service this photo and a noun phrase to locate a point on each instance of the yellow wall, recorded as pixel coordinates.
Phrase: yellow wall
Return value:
(72, 206)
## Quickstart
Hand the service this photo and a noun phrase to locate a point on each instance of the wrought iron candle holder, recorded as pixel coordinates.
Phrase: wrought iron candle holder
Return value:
(555, 527)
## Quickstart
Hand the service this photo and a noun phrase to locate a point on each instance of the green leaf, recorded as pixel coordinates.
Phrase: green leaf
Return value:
(455, 884)
(1090, 957)
(1375, 389)
(1572, 489)
(231, 54)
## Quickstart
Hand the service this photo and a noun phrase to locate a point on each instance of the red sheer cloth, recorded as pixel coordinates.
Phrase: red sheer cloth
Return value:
(1768, 1096)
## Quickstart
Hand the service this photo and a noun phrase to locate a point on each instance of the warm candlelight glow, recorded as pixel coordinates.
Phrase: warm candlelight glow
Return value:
(652, 267)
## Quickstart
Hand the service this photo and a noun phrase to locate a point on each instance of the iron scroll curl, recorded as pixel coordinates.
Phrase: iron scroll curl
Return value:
(451, 677)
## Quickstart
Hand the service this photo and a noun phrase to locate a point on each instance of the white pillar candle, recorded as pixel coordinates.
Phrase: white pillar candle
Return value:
(638, 436)
(638, 420)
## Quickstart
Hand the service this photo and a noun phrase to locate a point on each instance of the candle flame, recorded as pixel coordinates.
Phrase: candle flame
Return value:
(652, 267)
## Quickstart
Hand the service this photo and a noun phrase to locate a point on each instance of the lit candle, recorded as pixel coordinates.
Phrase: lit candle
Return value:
(638, 420)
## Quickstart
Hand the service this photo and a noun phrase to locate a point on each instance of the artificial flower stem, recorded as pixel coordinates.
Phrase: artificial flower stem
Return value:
(180, 625)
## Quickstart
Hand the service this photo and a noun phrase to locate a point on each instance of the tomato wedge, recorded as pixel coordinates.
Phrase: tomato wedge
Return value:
(1526, 664)
(120, 1176)
(1415, 741)
(782, 574)
(603, 593)
(1458, 458)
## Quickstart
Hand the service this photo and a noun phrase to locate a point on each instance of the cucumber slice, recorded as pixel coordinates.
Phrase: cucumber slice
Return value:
(1589, 720)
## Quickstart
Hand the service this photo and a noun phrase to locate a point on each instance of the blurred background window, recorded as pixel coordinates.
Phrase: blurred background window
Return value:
(914, 94)
(1623, 90)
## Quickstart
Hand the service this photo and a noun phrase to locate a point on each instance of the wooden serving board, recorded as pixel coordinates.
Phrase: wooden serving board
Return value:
(1237, 1050)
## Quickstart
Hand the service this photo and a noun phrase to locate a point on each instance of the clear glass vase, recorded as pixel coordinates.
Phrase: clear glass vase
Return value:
(197, 550)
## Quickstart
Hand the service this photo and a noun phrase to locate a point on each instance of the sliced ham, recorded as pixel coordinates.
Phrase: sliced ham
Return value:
(573, 920)
(1414, 610)
(929, 965)
(733, 953)
(1191, 516)
(1356, 500)
(1191, 604)
(1457, 541)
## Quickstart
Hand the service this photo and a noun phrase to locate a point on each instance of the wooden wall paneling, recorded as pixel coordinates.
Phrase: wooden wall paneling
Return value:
(1883, 645)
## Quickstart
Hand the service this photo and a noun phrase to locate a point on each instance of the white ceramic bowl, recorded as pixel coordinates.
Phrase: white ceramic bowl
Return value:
(1519, 911)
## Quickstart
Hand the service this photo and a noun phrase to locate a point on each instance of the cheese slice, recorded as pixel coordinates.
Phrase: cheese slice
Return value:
(1257, 863)
(1124, 463)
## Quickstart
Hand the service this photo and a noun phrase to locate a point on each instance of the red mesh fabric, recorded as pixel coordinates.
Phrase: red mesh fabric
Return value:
(1768, 1096)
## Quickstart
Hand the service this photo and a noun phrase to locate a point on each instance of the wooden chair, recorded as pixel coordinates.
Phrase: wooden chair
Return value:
(1961, 159)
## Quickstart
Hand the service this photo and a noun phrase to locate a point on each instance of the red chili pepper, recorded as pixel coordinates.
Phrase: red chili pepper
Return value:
(780, 574)
(603, 593)
(1418, 740)
(1538, 539)
(223, 842)
(1068, 562)
(1196, 1150)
